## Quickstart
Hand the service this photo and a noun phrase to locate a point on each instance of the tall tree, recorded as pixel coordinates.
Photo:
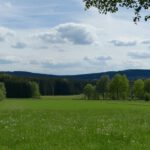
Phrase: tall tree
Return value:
(35, 91)
(102, 86)
(2, 91)
(112, 6)
(62, 87)
(147, 89)
(89, 91)
(138, 89)
(147, 85)
(119, 87)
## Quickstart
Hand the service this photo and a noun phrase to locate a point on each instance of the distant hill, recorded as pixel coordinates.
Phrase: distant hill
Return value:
(131, 74)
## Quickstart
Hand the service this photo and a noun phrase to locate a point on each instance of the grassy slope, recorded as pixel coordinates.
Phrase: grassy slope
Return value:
(55, 123)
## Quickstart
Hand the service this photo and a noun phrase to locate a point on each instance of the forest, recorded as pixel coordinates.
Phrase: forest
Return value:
(28, 87)
(119, 87)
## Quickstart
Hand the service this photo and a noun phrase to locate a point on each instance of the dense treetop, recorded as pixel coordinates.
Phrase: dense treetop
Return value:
(112, 6)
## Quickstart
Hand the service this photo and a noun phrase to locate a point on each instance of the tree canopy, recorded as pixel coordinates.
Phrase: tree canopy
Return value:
(112, 6)
(102, 86)
(2, 91)
(138, 89)
(88, 91)
(119, 87)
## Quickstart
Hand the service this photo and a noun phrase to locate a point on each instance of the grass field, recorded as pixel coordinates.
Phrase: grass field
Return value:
(63, 123)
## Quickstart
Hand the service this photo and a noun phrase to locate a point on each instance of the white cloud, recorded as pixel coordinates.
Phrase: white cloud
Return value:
(123, 43)
(8, 4)
(101, 60)
(6, 33)
(8, 60)
(5, 6)
(137, 55)
(61, 47)
(19, 45)
(58, 65)
(146, 42)
(74, 33)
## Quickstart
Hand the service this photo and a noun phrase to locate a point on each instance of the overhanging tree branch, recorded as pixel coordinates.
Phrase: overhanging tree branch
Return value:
(112, 6)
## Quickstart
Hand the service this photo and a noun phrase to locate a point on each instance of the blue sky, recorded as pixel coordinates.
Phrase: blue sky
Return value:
(60, 37)
(38, 14)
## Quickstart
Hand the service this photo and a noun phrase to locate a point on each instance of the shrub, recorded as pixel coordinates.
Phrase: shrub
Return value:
(147, 96)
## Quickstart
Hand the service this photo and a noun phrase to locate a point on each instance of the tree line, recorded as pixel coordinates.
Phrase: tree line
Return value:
(118, 88)
(25, 87)
(12, 87)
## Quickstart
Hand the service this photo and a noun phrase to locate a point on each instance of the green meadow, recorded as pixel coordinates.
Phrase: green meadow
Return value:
(68, 123)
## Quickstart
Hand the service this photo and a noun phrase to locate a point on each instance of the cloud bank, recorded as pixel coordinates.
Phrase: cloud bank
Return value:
(74, 33)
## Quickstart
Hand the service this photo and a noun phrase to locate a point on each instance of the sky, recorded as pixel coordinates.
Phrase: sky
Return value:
(60, 37)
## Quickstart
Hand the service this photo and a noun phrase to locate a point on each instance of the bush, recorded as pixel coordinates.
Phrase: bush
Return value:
(2, 91)
(147, 96)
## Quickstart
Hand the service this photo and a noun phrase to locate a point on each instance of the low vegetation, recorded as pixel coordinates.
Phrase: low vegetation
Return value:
(62, 123)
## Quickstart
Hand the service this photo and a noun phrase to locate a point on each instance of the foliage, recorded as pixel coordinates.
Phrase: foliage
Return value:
(89, 91)
(147, 89)
(102, 86)
(2, 91)
(95, 95)
(147, 85)
(19, 87)
(62, 87)
(119, 87)
(147, 96)
(112, 6)
(34, 87)
(138, 89)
